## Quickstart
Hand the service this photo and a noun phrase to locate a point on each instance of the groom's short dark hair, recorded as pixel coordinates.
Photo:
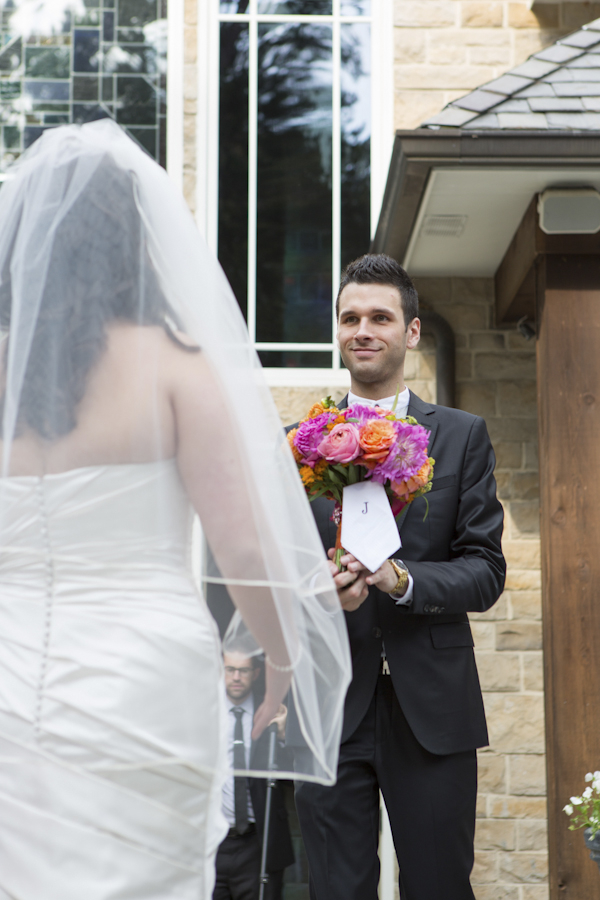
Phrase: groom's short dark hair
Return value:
(377, 268)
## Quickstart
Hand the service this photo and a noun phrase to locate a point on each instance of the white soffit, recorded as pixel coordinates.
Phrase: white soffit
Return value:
(483, 208)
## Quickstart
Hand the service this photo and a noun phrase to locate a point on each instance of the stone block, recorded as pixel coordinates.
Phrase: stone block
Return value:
(541, 15)
(496, 892)
(503, 482)
(477, 398)
(527, 775)
(481, 806)
(503, 807)
(485, 870)
(473, 290)
(464, 365)
(434, 290)
(432, 77)
(523, 579)
(413, 107)
(190, 45)
(433, 14)
(532, 835)
(499, 671)
(411, 364)
(531, 41)
(508, 366)
(190, 82)
(467, 317)
(409, 45)
(526, 605)
(470, 37)
(448, 54)
(525, 486)
(487, 340)
(191, 12)
(484, 635)
(532, 459)
(517, 398)
(524, 868)
(535, 892)
(491, 774)
(426, 343)
(490, 56)
(423, 389)
(533, 671)
(189, 189)
(516, 722)
(426, 364)
(495, 834)
(512, 429)
(522, 554)
(525, 517)
(477, 14)
(498, 612)
(518, 636)
(509, 454)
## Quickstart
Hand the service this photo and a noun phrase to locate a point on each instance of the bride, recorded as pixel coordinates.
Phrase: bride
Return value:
(131, 398)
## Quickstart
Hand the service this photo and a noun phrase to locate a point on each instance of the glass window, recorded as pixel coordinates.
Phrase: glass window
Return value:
(294, 167)
(57, 68)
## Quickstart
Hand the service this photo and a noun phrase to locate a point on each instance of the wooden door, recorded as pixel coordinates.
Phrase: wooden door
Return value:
(568, 362)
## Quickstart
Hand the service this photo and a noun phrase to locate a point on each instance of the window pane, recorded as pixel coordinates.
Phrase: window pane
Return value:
(298, 7)
(108, 60)
(295, 359)
(294, 183)
(234, 6)
(355, 7)
(356, 140)
(233, 158)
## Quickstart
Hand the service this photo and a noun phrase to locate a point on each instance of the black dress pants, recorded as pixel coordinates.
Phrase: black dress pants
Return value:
(430, 801)
(238, 871)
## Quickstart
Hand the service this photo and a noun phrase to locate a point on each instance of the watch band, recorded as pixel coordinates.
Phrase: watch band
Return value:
(402, 573)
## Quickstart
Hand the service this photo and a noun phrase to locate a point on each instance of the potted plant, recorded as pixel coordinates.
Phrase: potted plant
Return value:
(585, 813)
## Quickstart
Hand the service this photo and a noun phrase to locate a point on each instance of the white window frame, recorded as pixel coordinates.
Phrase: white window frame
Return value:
(207, 155)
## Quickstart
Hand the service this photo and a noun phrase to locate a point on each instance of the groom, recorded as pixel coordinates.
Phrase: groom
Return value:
(414, 712)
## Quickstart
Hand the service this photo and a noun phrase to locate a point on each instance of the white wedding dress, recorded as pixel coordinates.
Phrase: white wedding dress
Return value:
(111, 702)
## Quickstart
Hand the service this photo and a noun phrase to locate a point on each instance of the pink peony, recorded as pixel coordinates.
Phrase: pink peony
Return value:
(341, 444)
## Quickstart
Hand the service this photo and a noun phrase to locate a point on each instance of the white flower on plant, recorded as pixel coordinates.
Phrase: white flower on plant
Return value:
(596, 786)
(568, 809)
(576, 801)
(587, 793)
(589, 776)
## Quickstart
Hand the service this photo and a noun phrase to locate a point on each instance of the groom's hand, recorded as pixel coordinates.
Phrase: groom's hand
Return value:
(351, 584)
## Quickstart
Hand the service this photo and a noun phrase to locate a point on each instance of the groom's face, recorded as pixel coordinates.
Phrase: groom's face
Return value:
(372, 334)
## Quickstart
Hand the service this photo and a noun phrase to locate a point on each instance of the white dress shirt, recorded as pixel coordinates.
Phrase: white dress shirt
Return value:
(228, 792)
(400, 412)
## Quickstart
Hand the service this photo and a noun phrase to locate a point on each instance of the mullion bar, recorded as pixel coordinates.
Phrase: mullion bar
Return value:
(252, 169)
(336, 165)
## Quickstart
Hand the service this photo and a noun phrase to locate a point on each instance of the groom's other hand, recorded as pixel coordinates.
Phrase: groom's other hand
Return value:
(351, 584)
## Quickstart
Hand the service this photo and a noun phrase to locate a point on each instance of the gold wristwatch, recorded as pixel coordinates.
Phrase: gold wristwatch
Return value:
(402, 573)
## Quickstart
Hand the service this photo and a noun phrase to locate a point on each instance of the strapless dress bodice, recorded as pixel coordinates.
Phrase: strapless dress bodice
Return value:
(111, 522)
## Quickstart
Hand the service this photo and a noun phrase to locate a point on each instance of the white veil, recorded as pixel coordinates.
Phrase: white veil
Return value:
(60, 187)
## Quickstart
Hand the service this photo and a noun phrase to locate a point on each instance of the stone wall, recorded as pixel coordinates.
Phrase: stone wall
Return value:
(445, 48)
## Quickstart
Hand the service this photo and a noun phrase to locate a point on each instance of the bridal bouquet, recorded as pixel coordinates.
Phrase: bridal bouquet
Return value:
(335, 448)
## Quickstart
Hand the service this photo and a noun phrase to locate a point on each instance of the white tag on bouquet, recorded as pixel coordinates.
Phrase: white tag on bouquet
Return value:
(369, 530)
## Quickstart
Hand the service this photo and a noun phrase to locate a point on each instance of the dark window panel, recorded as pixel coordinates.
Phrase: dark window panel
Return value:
(234, 6)
(48, 90)
(108, 4)
(146, 138)
(31, 134)
(86, 46)
(108, 26)
(132, 58)
(91, 18)
(10, 56)
(356, 141)
(130, 35)
(294, 259)
(11, 136)
(51, 107)
(107, 88)
(136, 101)
(297, 7)
(233, 158)
(52, 119)
(355, 7)
(9, 90)
(295, 359)
(136, 13)
(85, 88)
(51, 62)
(88, 112)
(90, 4)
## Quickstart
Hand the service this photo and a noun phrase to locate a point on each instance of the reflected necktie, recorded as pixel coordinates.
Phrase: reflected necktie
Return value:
(240, 783)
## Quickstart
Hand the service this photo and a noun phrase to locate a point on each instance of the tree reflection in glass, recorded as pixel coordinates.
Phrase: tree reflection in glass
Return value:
(356, 140)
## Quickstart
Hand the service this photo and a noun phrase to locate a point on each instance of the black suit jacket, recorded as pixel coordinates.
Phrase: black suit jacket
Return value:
(455, 558)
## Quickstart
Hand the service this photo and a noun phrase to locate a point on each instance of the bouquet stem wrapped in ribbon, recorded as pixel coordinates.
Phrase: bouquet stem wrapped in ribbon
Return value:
(336, 448)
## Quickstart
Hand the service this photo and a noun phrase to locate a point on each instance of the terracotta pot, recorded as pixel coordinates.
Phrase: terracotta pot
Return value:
(593, 845)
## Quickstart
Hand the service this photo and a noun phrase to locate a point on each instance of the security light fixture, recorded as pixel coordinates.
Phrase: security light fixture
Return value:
(569, 211)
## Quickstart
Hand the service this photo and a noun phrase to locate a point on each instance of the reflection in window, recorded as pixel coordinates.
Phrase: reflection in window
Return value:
(294, 199)
(57, 67)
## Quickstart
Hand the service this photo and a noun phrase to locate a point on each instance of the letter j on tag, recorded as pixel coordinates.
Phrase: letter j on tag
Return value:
(369, 530)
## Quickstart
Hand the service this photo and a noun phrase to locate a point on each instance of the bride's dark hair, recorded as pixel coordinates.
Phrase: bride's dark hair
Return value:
(99, 272)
